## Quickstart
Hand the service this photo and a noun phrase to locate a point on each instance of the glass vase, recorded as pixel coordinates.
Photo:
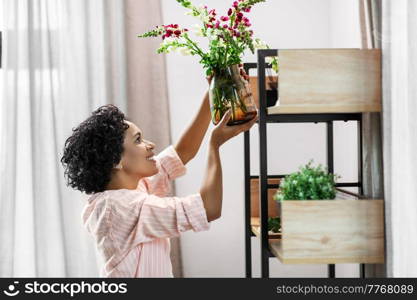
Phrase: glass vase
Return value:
(228, 90)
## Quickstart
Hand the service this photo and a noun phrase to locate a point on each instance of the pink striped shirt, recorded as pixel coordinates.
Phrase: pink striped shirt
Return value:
(132, 228)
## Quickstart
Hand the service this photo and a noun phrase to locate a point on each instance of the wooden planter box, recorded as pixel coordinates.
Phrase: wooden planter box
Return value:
(254, 205)
(328, 81)
(344, 230)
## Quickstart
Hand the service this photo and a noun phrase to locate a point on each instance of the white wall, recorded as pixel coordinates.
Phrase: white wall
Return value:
(219, 252)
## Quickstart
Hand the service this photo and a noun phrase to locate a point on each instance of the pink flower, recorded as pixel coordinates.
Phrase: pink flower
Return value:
(225, 26)
(245, 20)
(229, 13)
(247, 9)
(217, 24)
(235, 4)
(224, 19)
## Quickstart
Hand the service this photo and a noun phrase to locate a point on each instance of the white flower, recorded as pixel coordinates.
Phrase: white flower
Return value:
(269, 60)
(197, 29)
(184, 51)
(259, 44)
(221, 43)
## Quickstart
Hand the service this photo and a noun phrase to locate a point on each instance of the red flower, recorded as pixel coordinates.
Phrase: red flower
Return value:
(224, 19)
(235, 4)
(177, 32)
(229, 13)
(225, 26)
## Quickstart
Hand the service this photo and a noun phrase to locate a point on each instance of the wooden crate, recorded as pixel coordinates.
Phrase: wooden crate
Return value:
(327, 81)
(331, 231)
(254, 196)
(253, 81)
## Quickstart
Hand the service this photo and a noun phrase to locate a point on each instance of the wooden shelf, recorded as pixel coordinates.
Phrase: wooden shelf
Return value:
(321, 109)
(276, 249)
(313, 81)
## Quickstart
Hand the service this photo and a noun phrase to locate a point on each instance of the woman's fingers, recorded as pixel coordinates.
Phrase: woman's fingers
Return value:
(226, 118)
(244, 74)
(246, 126)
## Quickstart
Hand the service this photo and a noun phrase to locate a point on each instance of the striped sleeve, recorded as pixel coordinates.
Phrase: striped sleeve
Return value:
(142, 217)
(170, 167)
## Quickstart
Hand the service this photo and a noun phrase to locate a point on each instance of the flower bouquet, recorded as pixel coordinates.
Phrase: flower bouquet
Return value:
(229, 36)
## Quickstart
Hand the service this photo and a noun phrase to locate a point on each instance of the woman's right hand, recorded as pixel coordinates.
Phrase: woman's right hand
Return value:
(222, 132)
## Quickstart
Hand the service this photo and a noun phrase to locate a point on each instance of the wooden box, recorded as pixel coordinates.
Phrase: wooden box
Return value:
(328, 81)
(254, 205)
(335, 231)
(254, 198)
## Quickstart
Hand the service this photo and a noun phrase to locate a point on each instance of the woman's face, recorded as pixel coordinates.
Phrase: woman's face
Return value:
(138, 152)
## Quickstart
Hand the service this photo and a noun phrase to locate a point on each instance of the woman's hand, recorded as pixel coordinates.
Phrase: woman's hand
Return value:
(222, 132)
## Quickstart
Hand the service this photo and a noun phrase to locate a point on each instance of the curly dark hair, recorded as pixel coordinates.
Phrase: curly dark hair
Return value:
(93, 149)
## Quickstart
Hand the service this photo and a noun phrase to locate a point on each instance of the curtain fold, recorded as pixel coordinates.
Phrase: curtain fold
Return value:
(399, 45)
(62, 60)
(147, 90)
(392, 26)
(372, 146)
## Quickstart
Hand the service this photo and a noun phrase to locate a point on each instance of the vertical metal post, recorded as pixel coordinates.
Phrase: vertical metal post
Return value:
(331, 268)
(248, 228)
(360, 177)
(263, 167)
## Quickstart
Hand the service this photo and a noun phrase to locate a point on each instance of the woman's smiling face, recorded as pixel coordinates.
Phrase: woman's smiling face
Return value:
(137, 155)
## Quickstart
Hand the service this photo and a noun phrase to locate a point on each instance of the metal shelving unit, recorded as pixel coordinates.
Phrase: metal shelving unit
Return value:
(264, 120)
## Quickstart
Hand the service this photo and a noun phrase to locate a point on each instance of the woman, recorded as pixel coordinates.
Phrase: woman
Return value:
(130, 213)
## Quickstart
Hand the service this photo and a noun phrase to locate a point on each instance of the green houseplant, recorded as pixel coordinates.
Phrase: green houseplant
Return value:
(309, 183)
(229, 36)
(274, 224)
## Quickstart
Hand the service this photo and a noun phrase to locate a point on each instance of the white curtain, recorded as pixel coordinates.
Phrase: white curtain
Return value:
(399, 45)
(62, 59)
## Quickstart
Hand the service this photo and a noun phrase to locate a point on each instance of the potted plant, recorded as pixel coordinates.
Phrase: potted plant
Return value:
(319, 226)
(229, 36)
(309, 183)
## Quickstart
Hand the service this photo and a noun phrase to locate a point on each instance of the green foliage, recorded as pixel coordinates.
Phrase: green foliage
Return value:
(153, 33)
(274, 224)
(229, 35)
(185, 3)
(310, 183)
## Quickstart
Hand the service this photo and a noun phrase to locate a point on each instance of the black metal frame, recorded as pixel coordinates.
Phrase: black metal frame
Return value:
(264, 119)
